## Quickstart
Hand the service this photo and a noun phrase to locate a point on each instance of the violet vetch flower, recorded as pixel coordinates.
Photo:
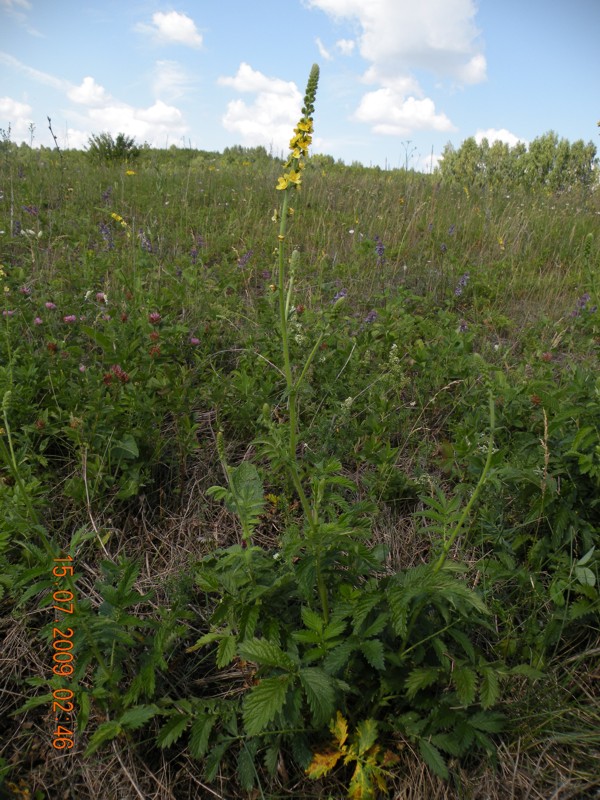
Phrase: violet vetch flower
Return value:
(266, 274)
(145, 242)
(339, 295)
(199, 243)
(463, 327)
(582, 305)
(443, 248)
(371, 317)
(243, 260)
(33, 210)
(462, 282)
(106, 234)
(16, 228)
(106, 194)
(380, 250)
(451, 230)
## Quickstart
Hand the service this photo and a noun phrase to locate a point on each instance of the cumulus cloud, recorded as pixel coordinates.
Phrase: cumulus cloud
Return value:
(89, 93)
(345, 46)
(397, 37)
(172, 27)
(269, 119)
(390, 113)
(498, 135)
(17, 115)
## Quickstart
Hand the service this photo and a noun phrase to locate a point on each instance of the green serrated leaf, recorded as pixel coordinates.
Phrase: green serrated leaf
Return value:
(174, 728)
(489, 690)
(465, 682)
(373, 651)
(226, 650)
(490, 722)
(433, 758)
(319, 689)
(312, 620)
(246, 770)
(420, 678)
(138, 716)
(264, 702)
(267, 654)
(200, 735)
(337, 659)
(105, 733)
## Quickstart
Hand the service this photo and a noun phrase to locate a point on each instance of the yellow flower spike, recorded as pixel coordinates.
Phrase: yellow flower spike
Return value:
(283, 183)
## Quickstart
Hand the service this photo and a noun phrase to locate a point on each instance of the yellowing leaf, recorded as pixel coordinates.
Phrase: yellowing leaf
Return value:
(321, 764)
(360, 787)
(339, 728)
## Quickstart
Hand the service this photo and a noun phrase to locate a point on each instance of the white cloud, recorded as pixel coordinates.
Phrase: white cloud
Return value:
(397, 37)
(35, 74)
(10, 4)
(346, 46)
(391, 113)
(401, 35)
(170, 80)
(498, 135)
(323, 52)
(172, 27)
(270, 118)
(18, 116)
(89, 93)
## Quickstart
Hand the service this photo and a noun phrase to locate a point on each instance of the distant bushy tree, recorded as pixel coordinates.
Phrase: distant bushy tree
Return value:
(548, 162)
(102, 147)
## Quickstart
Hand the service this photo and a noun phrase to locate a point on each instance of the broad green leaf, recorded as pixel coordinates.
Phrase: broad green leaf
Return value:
(433, 758)
(138, 716)
(264, 702)
(490, 722)
(100, 338)
(489, 690)
(585, 576)
(585, 558)
(372, 650)
(267, 654)
(125, 448)
(107, 731)
(465, 681)
(200, 735)
(226, 651)
(320, 693)
(420, 678)
(170, 732)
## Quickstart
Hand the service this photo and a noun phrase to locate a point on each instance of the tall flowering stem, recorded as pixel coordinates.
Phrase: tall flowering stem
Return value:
(290, 181)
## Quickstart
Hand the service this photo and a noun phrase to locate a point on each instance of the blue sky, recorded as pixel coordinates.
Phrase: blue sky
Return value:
(399, 78)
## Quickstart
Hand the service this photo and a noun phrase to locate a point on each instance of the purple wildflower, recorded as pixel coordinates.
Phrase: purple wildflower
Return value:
(199, 243)
(25, 290)
(581, 305)
(266, 274)
(100, 297)
(451, 230)
(8, 313)
(70, 318)
(339, 295)
(194, 341)
(16, 228)
(380, 250)
(462, 282)
(106, 194)
(38, 321)
(50, 306)
(33, 210)
(463, 327)
(154, 318)
(106, 234)
(145, 242)
(371, 317)
(443, 248)
(243, 260)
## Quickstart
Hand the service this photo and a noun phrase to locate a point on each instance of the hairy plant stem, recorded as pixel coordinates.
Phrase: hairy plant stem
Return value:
(292, 387)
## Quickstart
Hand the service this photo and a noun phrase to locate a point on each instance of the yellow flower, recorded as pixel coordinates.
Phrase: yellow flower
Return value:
(130, 172)
(282, 183)
(304, 125)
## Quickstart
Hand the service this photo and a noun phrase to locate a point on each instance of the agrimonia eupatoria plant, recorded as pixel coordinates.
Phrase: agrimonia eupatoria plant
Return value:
(317, 624)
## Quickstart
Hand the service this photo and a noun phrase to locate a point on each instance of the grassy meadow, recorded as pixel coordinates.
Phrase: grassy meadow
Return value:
(299, 489)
